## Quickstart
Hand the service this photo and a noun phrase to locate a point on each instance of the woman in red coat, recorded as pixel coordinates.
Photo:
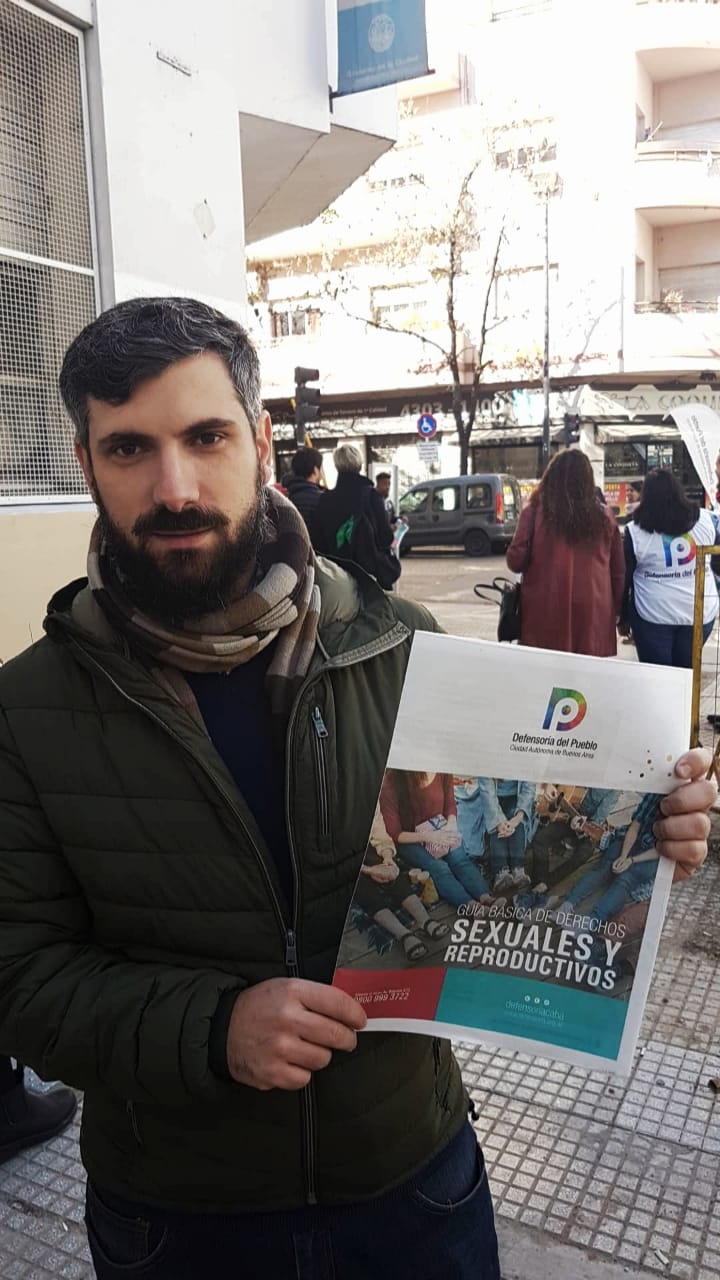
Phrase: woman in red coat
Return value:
(572, 585)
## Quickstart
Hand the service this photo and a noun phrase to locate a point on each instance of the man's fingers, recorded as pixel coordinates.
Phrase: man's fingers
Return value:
(333, 1035)
(300, 1053)
(283, 1075)
(682, 827)
(292, 1064)
(683, 872)
(695, 796)
(331, 1002)
(694, 764)
(688, 853)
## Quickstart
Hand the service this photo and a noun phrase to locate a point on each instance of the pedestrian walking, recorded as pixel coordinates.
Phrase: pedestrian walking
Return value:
(661, 544)
(303, 484)
(190, 761)
(568, 548)
(383, 481)
(351, 521)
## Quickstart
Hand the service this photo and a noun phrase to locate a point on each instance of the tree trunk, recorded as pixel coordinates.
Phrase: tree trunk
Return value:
(464, 453)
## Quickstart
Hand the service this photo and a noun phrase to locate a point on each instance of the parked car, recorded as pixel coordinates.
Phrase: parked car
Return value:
(479, 513)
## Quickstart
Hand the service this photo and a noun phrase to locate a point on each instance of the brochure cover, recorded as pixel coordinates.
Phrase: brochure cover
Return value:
(511, 891)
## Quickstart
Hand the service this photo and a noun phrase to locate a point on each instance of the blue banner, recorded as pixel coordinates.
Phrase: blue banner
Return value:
(379, 43)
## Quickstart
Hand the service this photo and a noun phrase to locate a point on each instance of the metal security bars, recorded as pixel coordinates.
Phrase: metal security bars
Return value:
(47, 268)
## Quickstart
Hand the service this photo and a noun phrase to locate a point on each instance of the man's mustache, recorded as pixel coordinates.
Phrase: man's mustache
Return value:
(161, 520)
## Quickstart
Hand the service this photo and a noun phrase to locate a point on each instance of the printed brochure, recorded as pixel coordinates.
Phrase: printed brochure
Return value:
(511, 891)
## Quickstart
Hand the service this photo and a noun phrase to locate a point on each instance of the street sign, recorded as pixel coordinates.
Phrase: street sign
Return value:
(428, 451)
(426, 426)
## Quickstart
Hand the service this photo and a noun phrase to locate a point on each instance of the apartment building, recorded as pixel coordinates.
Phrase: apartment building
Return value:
(140, 146)
(610, 111)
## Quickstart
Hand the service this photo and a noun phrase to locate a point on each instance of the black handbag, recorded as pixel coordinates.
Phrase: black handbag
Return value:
(508, 628)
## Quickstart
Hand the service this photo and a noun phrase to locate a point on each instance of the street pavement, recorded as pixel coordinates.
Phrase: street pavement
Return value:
(594, 1178)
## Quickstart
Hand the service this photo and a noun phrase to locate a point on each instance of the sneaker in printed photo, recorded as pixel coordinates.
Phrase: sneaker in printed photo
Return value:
(503, 880)
(520, 879)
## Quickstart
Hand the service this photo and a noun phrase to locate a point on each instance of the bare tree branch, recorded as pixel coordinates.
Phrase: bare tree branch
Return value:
(391, 328)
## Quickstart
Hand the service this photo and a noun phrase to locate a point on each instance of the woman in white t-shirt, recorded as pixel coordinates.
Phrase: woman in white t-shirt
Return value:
(661, 544)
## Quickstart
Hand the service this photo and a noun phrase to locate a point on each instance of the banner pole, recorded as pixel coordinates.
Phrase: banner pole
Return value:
(697, 645)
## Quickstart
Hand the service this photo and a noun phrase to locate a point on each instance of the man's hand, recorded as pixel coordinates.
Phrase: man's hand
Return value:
(682, 831)
(284, 1029)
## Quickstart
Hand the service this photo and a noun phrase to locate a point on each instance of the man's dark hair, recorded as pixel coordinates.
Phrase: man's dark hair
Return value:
(305, 461)
(139, 339)
(664, 507)
(383, 475)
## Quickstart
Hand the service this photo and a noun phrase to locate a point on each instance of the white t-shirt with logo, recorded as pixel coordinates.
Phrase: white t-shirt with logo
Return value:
(664, 579)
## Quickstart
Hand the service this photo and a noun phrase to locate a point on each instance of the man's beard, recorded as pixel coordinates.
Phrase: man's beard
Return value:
(184, 585)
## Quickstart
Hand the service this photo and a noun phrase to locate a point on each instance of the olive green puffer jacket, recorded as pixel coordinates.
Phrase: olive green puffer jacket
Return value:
(136, 892)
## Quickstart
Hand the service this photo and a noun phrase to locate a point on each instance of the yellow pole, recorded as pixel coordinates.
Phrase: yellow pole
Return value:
(697, 646)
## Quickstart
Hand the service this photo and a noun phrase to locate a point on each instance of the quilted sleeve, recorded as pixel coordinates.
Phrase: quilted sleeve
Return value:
(71, 1010)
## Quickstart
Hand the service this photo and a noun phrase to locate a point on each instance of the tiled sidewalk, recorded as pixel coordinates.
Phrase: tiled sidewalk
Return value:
(629, 1170)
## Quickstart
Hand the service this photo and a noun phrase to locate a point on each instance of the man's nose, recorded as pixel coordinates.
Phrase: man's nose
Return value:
(176, 484)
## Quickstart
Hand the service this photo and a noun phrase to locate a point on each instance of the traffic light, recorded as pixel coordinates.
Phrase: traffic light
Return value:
(571, 428)
(307, 402)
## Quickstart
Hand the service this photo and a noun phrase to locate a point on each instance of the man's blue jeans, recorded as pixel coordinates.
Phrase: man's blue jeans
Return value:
(438, 1226)
(455, 876)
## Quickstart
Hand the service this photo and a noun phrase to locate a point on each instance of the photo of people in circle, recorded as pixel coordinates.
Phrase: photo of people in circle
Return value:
(443, 849)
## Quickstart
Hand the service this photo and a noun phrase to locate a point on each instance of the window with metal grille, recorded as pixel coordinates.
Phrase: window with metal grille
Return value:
(47, 276)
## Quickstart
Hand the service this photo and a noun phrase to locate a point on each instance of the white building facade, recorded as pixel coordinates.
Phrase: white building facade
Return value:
(613, 106)
(141, 146)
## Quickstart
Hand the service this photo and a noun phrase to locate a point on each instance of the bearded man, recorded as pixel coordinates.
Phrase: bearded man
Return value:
(189, 766)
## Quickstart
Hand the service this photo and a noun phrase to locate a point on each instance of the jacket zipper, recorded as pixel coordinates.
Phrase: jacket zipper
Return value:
(319, 741)
(309, 1109)
(132, 1117)
(308, 1094)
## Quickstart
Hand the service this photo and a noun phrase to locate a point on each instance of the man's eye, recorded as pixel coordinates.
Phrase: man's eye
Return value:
(126, 450)
(208, 437)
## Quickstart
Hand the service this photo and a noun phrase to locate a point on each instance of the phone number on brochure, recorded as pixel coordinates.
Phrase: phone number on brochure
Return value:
(379, 997)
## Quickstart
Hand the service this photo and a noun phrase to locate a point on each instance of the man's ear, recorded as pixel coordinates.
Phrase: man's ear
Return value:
(83, 458)
(263, 441)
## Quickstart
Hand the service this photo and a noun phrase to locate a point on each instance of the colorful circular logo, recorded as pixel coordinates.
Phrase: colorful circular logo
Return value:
(382, 33)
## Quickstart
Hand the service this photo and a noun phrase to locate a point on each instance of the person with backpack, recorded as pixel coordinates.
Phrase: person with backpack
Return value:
(351, 521)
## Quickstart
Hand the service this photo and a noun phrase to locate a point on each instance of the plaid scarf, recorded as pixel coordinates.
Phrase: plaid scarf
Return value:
(283, 604)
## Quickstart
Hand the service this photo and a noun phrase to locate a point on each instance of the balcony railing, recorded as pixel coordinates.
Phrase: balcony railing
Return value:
(664, 149)
(684, 306)
(698, 151)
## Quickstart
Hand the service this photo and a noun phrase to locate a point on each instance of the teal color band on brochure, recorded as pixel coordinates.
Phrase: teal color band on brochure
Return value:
(537, 1010)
